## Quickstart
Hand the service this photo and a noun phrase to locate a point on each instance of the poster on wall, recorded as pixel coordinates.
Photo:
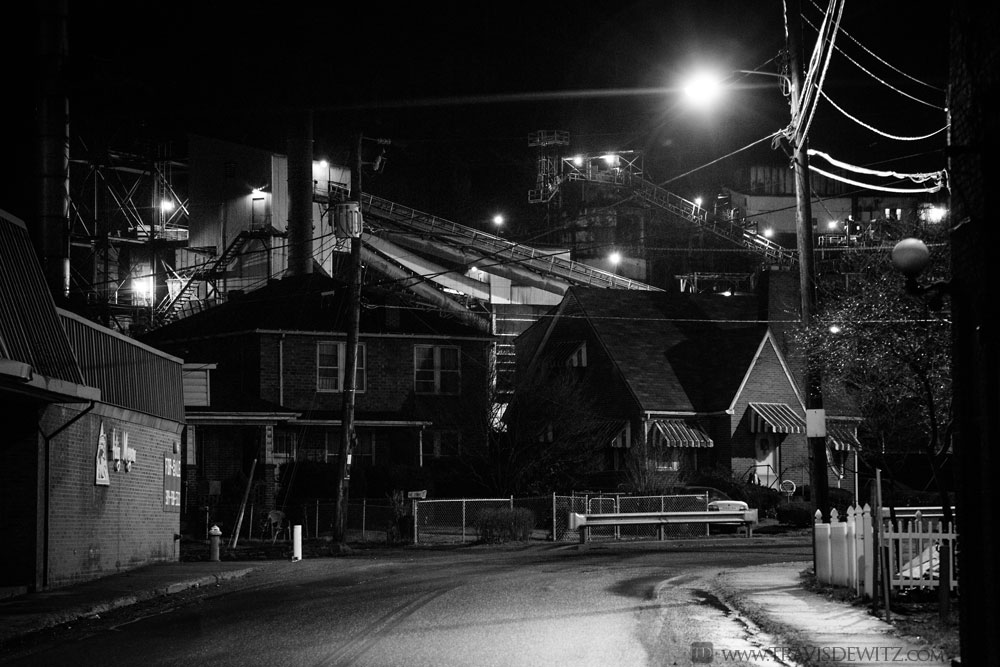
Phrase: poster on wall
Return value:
(101, 476)
(171, 484)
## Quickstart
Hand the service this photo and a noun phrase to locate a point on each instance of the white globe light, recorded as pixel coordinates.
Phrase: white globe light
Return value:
(910, 256)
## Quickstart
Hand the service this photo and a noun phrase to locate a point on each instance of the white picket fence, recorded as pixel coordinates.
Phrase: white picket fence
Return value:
(846, 551)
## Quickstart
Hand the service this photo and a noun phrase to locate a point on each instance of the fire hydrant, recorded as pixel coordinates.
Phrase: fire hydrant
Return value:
(214, 537)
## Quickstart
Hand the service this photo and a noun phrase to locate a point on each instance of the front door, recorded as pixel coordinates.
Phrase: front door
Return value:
(766, 455)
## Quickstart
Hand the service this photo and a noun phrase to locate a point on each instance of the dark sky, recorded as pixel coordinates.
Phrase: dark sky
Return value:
(458, 86)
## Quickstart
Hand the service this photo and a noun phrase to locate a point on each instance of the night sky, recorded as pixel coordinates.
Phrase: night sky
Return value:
(457, 87)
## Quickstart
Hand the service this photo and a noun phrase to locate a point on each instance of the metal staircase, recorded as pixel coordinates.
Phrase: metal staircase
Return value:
(169, 310)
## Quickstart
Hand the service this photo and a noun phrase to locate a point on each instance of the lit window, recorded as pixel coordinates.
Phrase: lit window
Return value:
(436, 370)
(330, 358)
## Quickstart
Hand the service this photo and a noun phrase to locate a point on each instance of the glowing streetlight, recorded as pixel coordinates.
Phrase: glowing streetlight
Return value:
(703, 89)
(615, 258)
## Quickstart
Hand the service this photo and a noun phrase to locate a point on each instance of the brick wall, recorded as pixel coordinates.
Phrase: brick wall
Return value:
(768, 383)
(96, 530)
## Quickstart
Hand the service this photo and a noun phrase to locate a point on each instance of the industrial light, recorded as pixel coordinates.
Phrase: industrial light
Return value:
(768, 232)
(166, 205)
(615, 257)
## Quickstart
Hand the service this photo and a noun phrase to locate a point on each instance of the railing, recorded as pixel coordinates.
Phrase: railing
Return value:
(726, 229)
(494, 246)
(584, 523)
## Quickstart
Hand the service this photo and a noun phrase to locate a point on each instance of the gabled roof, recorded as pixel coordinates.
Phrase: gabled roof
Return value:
(676, 352)
(313, 303)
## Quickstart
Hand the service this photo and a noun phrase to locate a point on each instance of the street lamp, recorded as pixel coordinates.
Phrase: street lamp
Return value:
(498, 222)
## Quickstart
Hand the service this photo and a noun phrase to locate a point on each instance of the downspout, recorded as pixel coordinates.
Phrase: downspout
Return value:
(48, 458)
(281, 370)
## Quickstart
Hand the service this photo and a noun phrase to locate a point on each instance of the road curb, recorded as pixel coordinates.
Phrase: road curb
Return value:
(53, 619)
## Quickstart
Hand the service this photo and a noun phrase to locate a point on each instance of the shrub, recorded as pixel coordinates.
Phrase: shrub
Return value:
(504, 524)
(796, 513)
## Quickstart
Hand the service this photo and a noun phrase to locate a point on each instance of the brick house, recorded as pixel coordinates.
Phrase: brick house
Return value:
(263, 386)
(681, 383)
(90, 484)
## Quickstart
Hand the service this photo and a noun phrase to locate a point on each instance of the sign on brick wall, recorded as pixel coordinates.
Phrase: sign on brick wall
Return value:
(101, 476)
(171, 484)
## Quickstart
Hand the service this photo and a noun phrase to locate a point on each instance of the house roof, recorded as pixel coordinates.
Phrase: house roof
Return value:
(315, 303)
(677, 352)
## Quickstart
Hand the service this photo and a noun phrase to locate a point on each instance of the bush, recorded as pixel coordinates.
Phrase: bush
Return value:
(505, 524)
(796, 513)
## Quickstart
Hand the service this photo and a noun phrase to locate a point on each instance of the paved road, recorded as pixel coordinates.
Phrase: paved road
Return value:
(553, 605)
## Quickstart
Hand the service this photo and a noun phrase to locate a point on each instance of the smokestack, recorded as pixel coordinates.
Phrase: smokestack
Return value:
(51, 233)
(300, 195)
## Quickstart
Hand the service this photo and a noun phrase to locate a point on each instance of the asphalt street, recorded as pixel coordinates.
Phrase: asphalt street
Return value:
(562, 605)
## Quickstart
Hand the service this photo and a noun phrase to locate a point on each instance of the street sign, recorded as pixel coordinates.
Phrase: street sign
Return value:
(417, 495)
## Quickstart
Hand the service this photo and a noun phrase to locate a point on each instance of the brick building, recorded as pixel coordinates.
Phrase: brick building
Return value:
(94, 420)
(682, 383)
(264, 378)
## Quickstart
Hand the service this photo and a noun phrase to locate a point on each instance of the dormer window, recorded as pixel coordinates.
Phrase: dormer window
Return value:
(578, 359)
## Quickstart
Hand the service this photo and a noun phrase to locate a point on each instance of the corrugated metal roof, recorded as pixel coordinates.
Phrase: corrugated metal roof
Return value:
(30, 329)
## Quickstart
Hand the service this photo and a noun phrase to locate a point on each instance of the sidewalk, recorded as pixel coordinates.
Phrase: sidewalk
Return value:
(29, 613)
(812, 629)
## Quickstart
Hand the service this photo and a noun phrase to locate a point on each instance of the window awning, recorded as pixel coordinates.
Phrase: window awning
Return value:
(842, 437)
(775, 418)
(676, 433)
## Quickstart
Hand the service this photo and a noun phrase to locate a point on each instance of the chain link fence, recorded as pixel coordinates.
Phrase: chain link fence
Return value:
(455, 520)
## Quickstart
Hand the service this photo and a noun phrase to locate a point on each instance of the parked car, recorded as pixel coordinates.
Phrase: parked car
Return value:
(718, 501)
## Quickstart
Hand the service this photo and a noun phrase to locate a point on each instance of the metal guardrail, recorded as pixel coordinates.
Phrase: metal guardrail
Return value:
(584, 522)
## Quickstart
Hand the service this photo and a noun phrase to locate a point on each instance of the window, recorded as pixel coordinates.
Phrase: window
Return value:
(579, 357)
(622, 439)
(284, 447)
(436, 370)
(442, 444)
(330, 366)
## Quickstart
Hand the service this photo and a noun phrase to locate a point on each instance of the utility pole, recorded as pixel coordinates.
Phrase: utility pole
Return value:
(350, 359)
(807, 271)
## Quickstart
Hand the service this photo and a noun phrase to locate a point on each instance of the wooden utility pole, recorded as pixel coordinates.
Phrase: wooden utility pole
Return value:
(804, 240)
(350, 362)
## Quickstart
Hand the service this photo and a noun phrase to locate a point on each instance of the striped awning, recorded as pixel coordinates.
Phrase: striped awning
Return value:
(676, 433)
(775, 418)
(842, 437)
